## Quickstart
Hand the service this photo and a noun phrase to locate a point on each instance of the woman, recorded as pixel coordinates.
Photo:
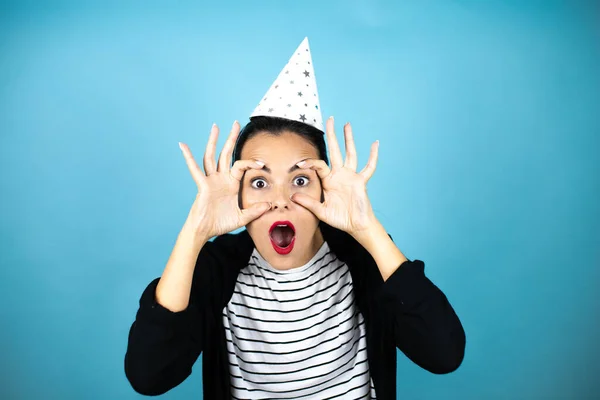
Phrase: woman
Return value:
(311, 300)
(185, 312)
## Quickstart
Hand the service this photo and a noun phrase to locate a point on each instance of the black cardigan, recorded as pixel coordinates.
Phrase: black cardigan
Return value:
(406, 311)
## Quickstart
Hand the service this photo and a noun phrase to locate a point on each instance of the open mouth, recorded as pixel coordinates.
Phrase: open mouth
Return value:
(282, 235)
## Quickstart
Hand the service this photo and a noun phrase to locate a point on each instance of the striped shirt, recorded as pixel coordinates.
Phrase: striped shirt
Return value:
(296, 333)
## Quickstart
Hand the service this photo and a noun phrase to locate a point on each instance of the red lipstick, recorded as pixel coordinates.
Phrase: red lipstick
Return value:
(288, 248)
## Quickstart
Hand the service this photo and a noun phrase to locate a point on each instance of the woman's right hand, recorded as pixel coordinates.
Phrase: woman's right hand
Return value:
(215, 210)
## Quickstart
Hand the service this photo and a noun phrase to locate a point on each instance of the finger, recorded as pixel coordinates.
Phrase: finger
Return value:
(334, 148)
(195, 171)
(210, 166)
(319, 166)
(226, 153)
(351, 161)
(241, 166)
(311, 204)
(368, 170)
(253, 212)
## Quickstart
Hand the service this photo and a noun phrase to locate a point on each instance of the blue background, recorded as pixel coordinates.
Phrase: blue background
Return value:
(488, 115)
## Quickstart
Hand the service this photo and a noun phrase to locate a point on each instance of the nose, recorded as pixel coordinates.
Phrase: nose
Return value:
(281, 199)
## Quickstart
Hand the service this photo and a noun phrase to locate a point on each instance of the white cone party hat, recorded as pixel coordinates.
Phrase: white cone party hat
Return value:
(294, 93)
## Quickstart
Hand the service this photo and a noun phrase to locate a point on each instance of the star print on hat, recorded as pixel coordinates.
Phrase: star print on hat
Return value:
(294, 93)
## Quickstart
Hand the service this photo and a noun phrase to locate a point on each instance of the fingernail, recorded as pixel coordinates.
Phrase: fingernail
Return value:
(262, 164)
(180, 145)
(301, 163)
(234, 122)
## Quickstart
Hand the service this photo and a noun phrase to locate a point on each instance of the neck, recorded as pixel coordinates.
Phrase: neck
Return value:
(316, 245)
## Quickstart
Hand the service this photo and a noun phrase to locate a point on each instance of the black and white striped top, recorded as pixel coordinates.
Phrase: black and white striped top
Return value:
(296, 333)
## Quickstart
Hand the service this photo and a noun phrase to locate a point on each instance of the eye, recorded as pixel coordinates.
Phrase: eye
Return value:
(258, 183)
(301, 181)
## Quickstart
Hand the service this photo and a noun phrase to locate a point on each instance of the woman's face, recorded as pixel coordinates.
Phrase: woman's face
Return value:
(282, 247)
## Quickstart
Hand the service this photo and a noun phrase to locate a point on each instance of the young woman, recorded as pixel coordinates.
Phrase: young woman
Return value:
(311, 300)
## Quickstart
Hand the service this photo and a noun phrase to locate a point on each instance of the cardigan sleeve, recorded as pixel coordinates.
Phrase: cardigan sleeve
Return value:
(426, 327)
(163, 345)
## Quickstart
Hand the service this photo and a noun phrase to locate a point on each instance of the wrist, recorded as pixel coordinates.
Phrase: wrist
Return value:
(371, 231)
(194, 234)
(380, 246)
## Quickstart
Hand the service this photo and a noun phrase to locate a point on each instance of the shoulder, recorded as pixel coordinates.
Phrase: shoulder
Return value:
(231, 248)
(345, 247)
(220, 261)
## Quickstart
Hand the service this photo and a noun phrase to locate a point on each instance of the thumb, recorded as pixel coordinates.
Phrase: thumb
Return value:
(256, 210)
(311, 204)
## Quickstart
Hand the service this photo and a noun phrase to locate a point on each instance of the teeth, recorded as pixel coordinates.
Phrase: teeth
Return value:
(281, 226)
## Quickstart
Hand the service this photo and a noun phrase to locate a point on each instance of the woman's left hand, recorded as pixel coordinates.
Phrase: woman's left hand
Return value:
(346, 206)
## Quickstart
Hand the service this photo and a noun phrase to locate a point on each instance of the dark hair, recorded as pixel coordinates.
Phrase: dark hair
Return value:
(276, 126)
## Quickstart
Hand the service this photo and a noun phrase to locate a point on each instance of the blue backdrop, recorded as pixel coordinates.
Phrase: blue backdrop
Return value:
(488, 115)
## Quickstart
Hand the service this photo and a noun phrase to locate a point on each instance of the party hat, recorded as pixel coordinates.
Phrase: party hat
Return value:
(294, 93)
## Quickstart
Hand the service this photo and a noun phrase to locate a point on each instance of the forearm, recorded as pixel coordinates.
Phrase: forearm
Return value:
(173, 289)
(380, 246)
